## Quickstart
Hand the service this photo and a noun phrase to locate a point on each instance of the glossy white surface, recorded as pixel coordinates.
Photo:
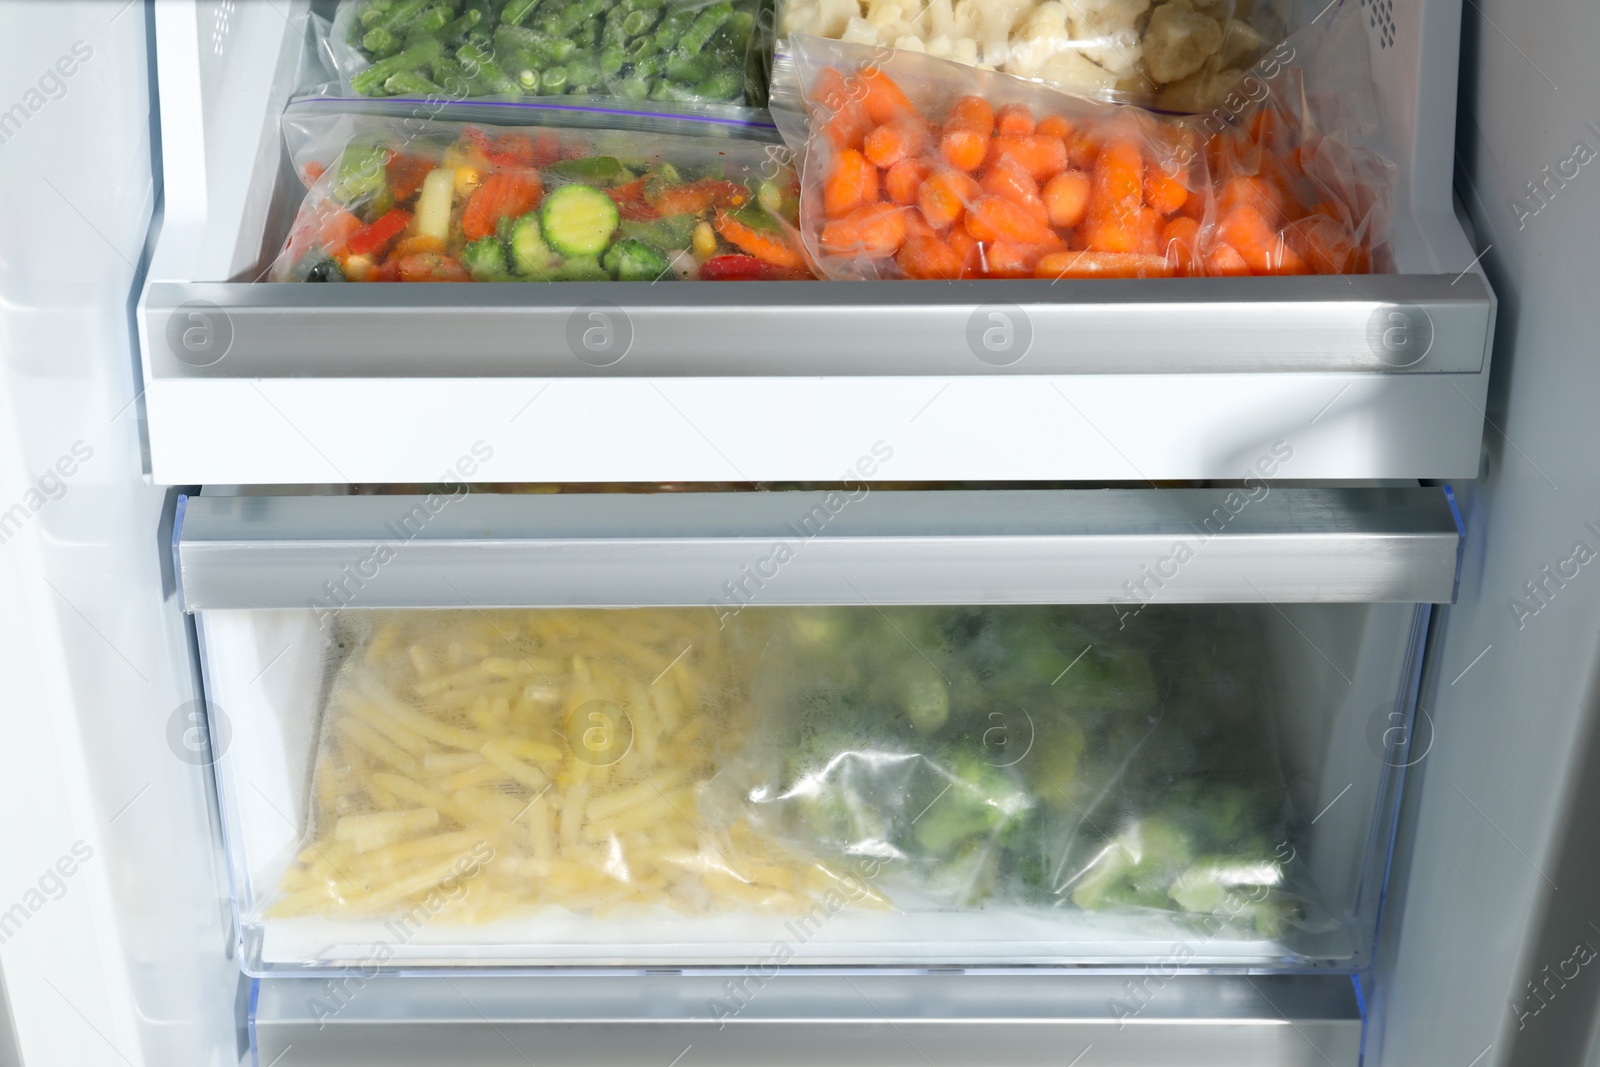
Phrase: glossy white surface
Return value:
(121, 960)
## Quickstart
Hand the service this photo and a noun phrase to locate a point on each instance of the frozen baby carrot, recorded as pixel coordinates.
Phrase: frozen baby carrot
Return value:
(1224, 261)
(945, 195)
(1066, 197)
(852, 182)
(965, 139)
(1011, 182)
(1054, 126)
(873, 230)
(1042, 157)
(1116, 198)
(1163, 192)
(882, 98)
(925, 256)
(1013, 120)
(902, 180)
(1102, 265)
(1180, 241)
(902, 138)
(993, 218)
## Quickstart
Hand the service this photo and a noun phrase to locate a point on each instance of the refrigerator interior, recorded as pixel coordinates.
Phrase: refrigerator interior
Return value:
(127, 972)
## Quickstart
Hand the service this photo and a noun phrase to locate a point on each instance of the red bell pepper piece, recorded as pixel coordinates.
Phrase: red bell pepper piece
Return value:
(375, 236)
(735, 268)
(631, 203)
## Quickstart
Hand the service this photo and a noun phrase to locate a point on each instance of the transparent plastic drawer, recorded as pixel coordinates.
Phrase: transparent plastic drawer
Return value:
(982, 730)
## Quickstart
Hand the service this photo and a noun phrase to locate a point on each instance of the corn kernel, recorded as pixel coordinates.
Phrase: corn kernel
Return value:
(705, 241)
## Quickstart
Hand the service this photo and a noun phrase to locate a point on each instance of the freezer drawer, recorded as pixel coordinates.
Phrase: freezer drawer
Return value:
(781, 1019)
(915, 730)
(1379, 376)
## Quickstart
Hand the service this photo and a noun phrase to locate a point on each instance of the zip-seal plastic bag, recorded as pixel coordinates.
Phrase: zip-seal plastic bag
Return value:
(918, 167)
(1175, 55)
(416, 199)
(948, 749)
(699, 51)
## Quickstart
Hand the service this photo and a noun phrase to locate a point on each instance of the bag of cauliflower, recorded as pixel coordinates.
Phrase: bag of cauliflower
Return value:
(1171, 55)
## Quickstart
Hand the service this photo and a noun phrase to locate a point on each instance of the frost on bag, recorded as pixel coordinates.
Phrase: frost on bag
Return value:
(489, 765)
(948, 748)
(417, 200)
(1176, 55)
(701, 51)
(918, 167)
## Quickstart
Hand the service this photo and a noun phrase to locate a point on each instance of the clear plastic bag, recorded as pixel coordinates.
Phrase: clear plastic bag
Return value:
(918, 167)
(949, 749)
(701, 51)
(474, 766)
(1175, 55)
(419, 199)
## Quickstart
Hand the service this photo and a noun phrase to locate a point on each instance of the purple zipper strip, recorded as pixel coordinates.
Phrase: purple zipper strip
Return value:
(670, 116)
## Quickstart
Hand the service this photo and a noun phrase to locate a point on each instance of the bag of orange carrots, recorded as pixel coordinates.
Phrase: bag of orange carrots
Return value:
(918, 167)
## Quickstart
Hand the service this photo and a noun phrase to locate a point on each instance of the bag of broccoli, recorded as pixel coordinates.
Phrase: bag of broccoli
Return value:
(1022, 756)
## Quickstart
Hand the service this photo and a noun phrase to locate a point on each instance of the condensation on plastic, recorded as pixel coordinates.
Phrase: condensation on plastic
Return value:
(948, 749)
(320, 132)
(337, 47)
(1173, 55)
(487, 765)
(1278, 180)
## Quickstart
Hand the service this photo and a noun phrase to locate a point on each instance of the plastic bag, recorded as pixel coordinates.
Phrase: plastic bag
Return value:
(918, 167)
(1175, 55)
(417, 199)
(706, 50)
(949, 748)
(483, 765)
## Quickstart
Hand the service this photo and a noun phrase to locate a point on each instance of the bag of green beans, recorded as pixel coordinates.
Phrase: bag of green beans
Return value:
(669, 51)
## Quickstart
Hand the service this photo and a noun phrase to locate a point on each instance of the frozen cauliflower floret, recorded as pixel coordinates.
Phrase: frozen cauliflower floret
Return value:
(941, 46)
(910, 43)
(1071, 71)
(860, 31)
(938, 21)
(802, 16)
(965, 50)
(1108, 33)
(1042, 33)
(884, 12)
(1216, 9)
(965, 18)
(1240, 43)
(1179, 41)
(1200, 91)
(834, 15)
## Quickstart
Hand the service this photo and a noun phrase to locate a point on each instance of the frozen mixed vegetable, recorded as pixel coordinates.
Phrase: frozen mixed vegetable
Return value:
(474, 203)
(1177, 55)
(633, 49)
(921, 168)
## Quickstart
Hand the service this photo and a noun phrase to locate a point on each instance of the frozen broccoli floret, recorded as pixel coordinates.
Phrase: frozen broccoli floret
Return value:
(1221, 885)
(978, 800)
(1134, 865)
(634, 261)
(924, 696)
(1116, 679)
(486, 260)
